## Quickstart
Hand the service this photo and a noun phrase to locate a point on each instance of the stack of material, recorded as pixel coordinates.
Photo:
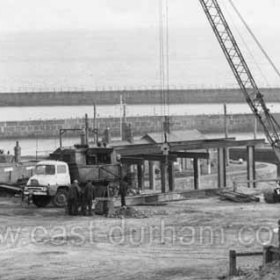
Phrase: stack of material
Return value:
(104, 207)
(9, 190)
(127, 212)
(237, 197)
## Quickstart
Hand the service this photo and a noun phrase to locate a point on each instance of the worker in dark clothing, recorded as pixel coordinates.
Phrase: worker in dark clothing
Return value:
(81, 200)
(87, 197)
(72, 198)
(123, 190)
(276, 193)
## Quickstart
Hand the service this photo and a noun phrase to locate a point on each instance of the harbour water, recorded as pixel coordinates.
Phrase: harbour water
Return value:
(115, 111)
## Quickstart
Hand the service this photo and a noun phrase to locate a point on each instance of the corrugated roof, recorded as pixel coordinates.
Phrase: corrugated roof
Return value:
(175, 136)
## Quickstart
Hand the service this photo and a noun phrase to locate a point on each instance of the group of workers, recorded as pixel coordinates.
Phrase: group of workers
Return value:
(79, 200)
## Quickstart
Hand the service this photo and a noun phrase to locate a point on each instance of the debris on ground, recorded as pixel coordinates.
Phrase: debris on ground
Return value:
(272, 196)
(158, 203)
(127, 212)
(267, 272)
(237, 196)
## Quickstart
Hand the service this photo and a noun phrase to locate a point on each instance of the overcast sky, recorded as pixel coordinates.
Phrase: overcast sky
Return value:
(22, 15)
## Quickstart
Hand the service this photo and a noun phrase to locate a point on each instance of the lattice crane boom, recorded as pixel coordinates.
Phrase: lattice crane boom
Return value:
(242, 73)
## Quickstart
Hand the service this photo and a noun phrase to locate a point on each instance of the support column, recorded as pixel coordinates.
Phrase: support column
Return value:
(171, 181)
(208, 164)
(185, 163)
(226, 133)
(163, 176)
(182, 163)
(221, 168)
(152, 183)
(196, 173)
(140, 176)
(251, 166)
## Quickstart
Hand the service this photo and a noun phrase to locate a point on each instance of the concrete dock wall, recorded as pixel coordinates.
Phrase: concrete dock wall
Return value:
(140, 125)
(132, 96)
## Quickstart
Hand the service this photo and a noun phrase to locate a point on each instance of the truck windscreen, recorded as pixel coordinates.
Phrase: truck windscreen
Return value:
(45, 170)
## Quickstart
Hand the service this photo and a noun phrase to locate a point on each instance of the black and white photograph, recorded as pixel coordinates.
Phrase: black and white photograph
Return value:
(139, 139)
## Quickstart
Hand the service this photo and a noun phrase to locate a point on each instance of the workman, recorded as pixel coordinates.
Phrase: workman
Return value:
(73, 198)
(124, 183)
(87, 197)
(276, 193)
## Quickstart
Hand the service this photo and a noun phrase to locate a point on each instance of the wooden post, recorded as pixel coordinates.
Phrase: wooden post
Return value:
(267, 256)
(232, 263)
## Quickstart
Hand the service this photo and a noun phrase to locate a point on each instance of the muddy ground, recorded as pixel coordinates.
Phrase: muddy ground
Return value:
(179, 240)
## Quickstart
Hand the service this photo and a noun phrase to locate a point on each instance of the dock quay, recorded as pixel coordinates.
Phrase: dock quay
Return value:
(140, 125)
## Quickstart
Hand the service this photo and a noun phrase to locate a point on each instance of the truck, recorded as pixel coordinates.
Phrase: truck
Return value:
(52, 177)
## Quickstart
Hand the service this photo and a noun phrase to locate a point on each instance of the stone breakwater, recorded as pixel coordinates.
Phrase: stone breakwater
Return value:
(132, 96)
(140, 125)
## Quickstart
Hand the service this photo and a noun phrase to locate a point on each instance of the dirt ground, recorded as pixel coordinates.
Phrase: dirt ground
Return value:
(179, 240)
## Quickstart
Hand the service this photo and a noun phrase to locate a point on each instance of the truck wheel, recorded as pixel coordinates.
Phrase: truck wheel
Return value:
(60, 199)
(41, 200)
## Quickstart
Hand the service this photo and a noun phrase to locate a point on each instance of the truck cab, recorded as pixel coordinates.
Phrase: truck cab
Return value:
(51, 180)
(53, 177)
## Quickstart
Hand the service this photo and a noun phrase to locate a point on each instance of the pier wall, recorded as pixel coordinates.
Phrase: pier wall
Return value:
(140, 125)
(131, 96)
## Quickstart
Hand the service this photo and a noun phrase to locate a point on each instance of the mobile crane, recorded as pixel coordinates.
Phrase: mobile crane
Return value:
(242, 73)
(245, 79)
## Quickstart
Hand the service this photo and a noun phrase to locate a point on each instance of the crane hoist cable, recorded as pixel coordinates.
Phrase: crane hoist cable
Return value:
(161, 58)
(167, 54)
(255, 38)
(164, 61)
